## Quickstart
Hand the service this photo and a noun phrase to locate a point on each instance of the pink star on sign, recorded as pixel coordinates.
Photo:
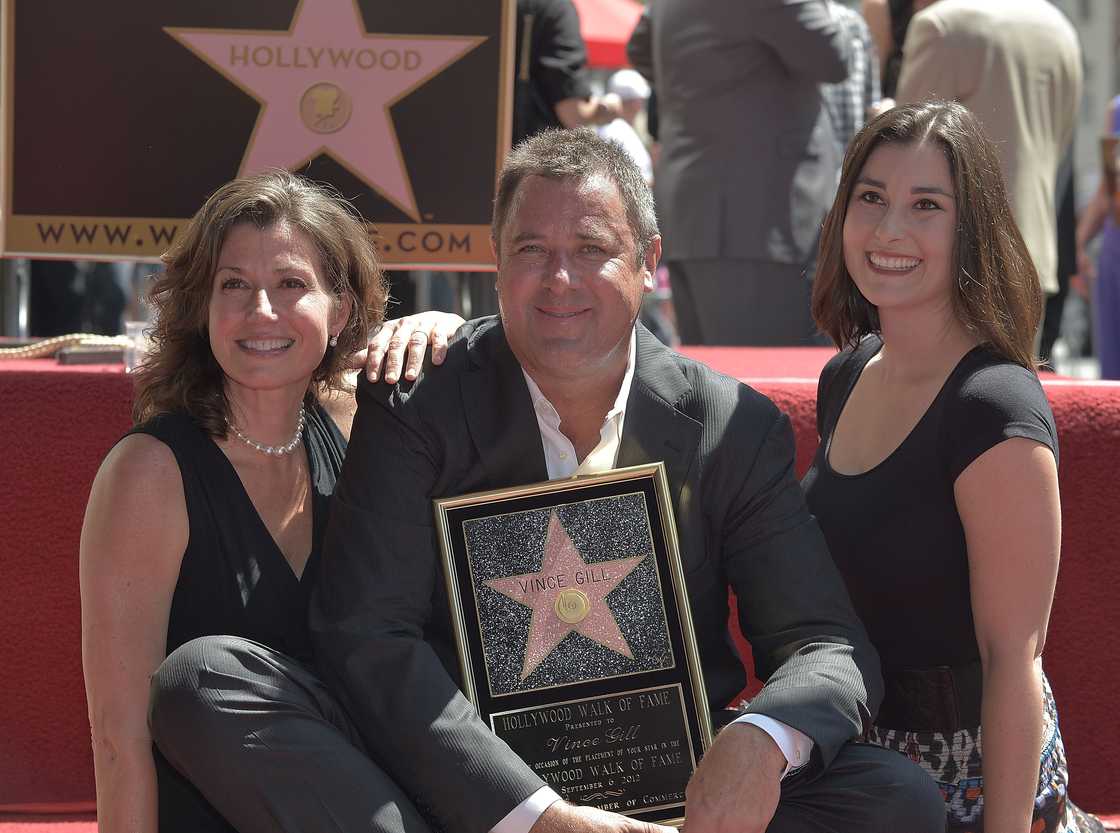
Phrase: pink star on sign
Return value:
(326, 86)
(568, 594)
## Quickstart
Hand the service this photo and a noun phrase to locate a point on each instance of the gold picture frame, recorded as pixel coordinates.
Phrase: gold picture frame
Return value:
(575, 638)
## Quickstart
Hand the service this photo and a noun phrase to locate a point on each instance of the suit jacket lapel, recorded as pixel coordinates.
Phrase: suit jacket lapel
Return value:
(655, 430)
(499, 411)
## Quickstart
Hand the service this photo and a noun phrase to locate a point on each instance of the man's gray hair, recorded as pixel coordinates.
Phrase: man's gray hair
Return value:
(577, 155)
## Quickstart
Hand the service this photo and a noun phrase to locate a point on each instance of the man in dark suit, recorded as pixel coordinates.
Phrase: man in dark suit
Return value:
(748, 164)
(565, 382)
(530, 395)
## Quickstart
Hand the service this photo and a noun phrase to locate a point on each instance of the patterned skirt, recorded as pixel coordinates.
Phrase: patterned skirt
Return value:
(954, 762)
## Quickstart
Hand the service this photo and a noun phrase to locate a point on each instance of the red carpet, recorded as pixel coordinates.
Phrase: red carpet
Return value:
(748, 363)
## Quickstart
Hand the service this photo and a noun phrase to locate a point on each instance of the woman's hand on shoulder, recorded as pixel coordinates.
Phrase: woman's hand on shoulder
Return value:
(401, 344)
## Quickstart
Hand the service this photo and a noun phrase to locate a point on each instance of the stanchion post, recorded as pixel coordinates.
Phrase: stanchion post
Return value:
(15, 292)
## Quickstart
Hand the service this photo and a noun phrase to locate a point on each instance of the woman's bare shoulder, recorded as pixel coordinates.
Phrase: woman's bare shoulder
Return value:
(137, 501)
(140, 461)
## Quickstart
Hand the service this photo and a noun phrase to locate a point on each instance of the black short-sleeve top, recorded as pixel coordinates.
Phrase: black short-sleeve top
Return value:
(894, 530)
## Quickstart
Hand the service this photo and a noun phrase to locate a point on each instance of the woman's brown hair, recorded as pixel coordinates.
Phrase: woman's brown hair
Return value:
(180, 371)
(997, 294)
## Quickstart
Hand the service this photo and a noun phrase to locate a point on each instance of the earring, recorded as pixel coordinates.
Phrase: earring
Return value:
(334, 341)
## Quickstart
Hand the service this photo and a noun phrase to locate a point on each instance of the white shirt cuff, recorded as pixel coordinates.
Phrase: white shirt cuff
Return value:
(525, 814)
(795, 744)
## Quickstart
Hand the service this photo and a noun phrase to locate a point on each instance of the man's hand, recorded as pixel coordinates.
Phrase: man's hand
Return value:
(563, 817)
(578, 112)
(736, 787)
(609, 108)
(412, 334)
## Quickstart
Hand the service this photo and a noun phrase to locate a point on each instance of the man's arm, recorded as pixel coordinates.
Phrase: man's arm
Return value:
(575, 112)
(1071, 96)
(806, 38)
(372, 603)
(877, 15)
(822, 675)
(559, 69)
(821, 672)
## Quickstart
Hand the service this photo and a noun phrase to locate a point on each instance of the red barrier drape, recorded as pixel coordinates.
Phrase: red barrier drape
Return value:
(606, 26)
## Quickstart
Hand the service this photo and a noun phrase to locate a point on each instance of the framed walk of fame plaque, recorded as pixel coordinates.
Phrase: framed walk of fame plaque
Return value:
(575, 637)
(120, 119)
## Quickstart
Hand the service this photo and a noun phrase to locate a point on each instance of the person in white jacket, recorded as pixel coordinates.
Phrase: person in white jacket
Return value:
(633, 91)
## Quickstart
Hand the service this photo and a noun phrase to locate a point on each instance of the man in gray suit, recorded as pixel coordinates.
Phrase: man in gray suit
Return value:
(748, 163)
(563, 382)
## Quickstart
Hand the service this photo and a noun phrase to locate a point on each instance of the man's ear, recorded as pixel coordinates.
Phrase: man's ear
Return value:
(650, 258)
(496, 251)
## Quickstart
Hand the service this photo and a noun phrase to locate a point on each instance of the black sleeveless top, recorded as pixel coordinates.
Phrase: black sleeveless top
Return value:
(894, 530)
(234, 580)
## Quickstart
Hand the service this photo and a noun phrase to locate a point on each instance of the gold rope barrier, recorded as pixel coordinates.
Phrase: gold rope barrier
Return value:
(50, 346)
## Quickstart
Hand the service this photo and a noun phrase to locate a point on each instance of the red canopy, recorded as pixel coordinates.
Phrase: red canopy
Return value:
(606, 26)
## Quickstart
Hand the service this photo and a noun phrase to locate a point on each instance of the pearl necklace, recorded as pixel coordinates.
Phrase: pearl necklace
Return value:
(274, 450)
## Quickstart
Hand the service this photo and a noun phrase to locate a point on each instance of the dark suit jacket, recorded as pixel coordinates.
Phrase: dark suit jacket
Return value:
(380, 617)
(748, 163)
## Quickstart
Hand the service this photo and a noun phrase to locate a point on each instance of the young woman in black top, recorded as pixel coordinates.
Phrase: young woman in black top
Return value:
(206, 519)
(936, 482)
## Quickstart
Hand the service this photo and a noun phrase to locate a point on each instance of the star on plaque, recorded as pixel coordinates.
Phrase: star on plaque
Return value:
(326, 86)
(566, 595)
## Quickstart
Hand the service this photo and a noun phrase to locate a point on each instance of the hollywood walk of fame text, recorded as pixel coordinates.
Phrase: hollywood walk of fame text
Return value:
(626, 752)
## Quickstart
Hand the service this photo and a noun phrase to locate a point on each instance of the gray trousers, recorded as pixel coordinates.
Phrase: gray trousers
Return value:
(272, 750)
(267, 745)
(728, 301)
